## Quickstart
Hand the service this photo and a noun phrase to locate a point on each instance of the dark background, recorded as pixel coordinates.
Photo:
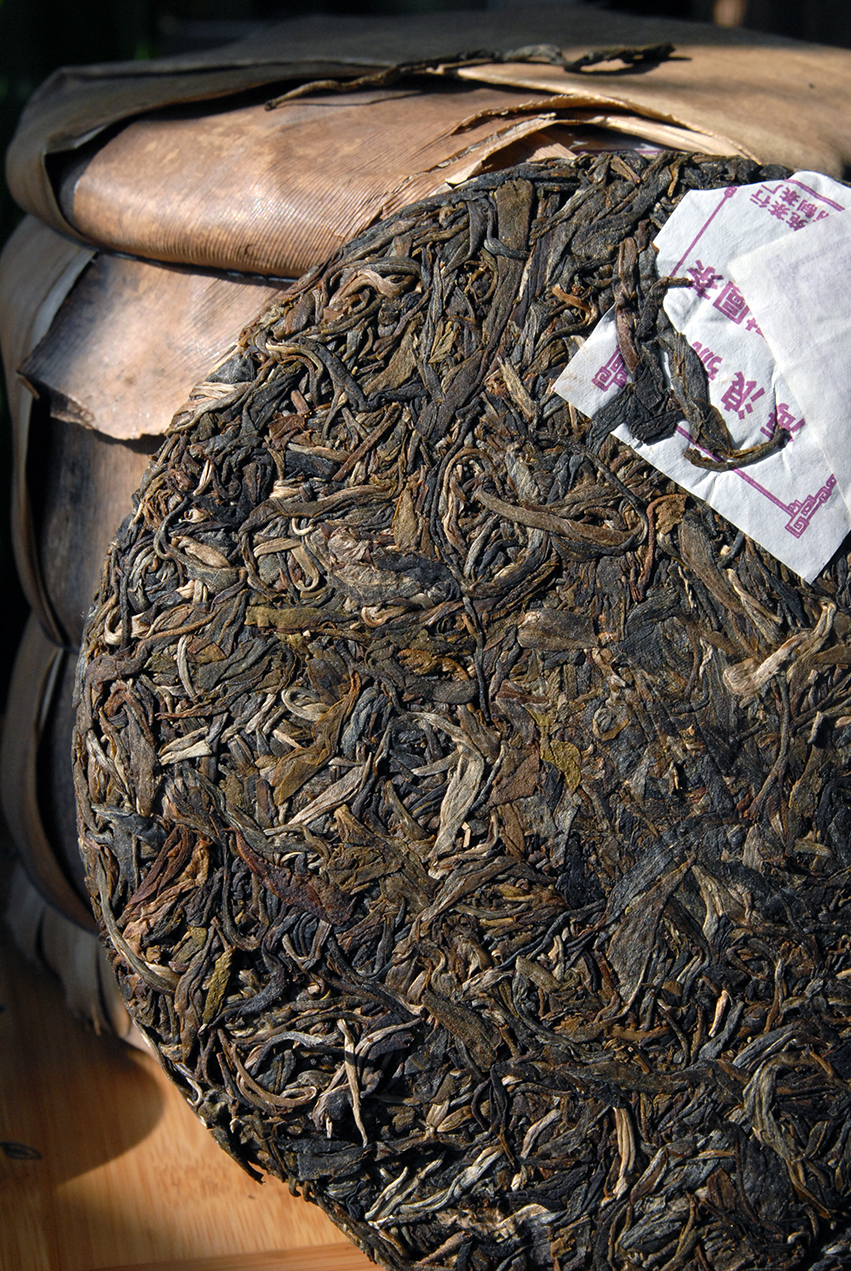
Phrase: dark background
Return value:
(37, 36)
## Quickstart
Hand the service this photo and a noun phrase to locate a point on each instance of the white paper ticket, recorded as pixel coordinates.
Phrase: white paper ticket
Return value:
(790, 502)
(799, 289)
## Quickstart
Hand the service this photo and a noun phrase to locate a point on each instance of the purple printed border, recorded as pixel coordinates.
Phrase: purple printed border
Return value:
(799, 511)
(729, 193)
(821, 197)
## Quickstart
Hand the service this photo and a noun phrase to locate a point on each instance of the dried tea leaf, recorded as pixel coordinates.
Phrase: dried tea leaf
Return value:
(565, 756)
(669, 512)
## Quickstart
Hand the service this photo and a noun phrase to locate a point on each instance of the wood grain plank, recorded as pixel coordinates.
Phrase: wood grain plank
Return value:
(112, 1169)
(339, 1257)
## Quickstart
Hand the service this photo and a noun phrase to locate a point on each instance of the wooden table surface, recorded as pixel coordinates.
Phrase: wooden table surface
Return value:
(103, 1165)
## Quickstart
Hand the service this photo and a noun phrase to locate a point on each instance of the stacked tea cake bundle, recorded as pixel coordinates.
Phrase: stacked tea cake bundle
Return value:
(124, 290)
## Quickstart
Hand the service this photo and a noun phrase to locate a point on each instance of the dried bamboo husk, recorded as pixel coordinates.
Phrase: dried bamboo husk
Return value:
(47, 909)
(276, 191)
(70, 163)
(37, 270)
(100, 363)
(86, 481)
(39, 668)
(77, 957)
(466, 810)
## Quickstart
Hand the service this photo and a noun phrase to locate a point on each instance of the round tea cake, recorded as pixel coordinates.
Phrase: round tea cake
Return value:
(466, 807)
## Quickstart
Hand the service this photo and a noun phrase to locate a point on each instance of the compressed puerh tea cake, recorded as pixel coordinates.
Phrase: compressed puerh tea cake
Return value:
(466, 807)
